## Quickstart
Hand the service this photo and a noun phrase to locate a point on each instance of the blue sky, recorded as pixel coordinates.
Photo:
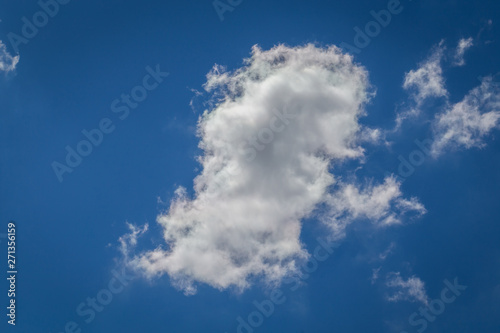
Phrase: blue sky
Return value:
(206, 239)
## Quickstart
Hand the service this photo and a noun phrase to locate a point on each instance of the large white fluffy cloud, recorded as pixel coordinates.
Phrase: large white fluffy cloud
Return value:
(281, 122)
(7, 61)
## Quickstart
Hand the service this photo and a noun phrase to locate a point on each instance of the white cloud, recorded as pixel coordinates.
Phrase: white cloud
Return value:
(129, 241)
(463, 45)
(7, 62)
(281, 122)
(467, 122)
(375, 274)
(461, 125)
(411, 289)
(389, 250)
(424, 82)
(427, 81)
(382, 204)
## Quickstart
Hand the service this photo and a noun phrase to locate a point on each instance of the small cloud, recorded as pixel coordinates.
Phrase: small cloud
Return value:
(458, 125)
(467, 122)
(486, 27)
(463, 45)
(7, 61)
(427, 80)
(388, 251)
(411, 289)
(194, 103)
(382, 204)
(129, 240)
(375, 274)
(424, 83)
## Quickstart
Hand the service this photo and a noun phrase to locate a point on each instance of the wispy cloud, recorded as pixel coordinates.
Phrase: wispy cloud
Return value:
(463, 45)
(375, 274)
(382, 204)
(129, 240)
(7, 61)
(467, 122)
(427, 80)
(388, 251)
(411, 289)
(281, 122)
(464, 124)
(423, 83)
